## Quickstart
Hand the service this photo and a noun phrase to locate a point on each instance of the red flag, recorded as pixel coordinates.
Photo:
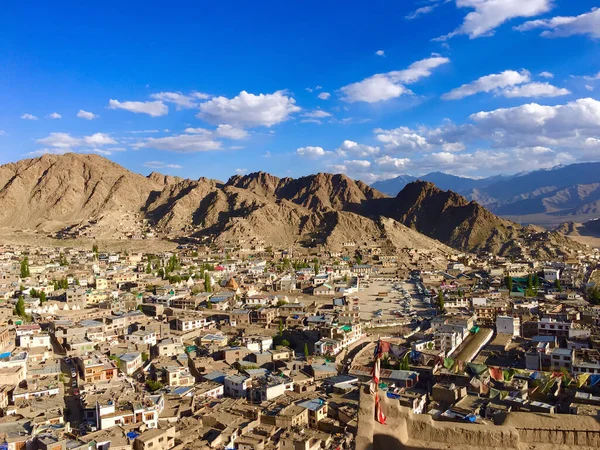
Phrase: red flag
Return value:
(496, 374)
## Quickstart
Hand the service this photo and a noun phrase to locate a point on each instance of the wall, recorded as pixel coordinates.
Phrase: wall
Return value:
(522, 431)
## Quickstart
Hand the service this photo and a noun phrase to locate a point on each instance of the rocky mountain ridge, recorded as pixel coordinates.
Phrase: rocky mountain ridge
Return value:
(92, 196)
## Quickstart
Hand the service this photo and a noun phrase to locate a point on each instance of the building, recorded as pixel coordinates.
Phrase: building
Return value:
(95, 368)
(561, 358)
(130, 362)
(236, 386)
(551, 327)
(317, 411)
(190, 323)
(156, 439)
(508, 325)
(142, 337)
(586, 360)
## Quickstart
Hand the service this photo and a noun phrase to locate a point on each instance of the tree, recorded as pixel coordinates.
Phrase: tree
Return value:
(306, 353)
(280, 328)
(161, 272)
(536, 281)
(154, 385)
(149, 267)
(63, 260)
(144, 356)
(20, 307)
(557, 285)
(95, 249)
(285, 343)
(209, 305)
(459, 293)
(593, 294)
(509, 283)
(42, 297)
(440, 300)
(529, 281)
(25, 273)
(404, 364)
(207, 286)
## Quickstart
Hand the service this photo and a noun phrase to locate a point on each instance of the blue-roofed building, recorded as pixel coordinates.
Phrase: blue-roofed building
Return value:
(317, 410)
(216, 376)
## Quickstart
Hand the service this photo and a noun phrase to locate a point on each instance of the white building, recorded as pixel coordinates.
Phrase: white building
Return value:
(142, 337)
(236, 386)
(508, 325)
(551, 274)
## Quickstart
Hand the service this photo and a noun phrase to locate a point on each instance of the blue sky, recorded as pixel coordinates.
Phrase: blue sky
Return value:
(377, 89)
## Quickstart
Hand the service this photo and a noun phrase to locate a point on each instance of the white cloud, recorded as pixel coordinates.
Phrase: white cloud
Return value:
(182, 101)
(389, 164)
(66, 141)
(402, 139)
(357, 165)
(145, 131)
(490, 14)
(153, 109)
(421, 12)
(86, 115)
(592, 77)
(161, 165)
(417, 70)
(546, 74)
(308, 89)
(373, 89)
(488, 83)
(182, 143)
(381, 87)
(356, 149)
(324, 95)
(99, 139)
(230, 132)
(197, 131)
(563, 26)
(241, 171)
(49, 151)
(55, 115)
(535, 90)
(311, 152)
(249, 110)
(2, 132)
(200, 95)
(317, 114)
(589, 88)
(28, 116)
(100, 151)
(60, 140)
(380, 53)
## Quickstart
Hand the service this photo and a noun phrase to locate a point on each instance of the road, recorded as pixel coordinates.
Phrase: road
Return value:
(74, 413)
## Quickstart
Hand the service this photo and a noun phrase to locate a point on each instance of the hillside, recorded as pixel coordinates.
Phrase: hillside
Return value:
(90, 196)
(542, 196)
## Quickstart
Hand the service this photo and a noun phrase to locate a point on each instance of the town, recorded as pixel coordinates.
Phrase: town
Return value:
(252, 347)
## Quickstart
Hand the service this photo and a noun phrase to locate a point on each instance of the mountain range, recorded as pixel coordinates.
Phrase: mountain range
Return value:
(546, 197)
(91, 196)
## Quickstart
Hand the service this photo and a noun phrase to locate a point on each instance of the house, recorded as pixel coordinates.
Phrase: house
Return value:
(236, 386)
(130, 362)
(508, 325)
(324, 289)
(317, 411)
(96, 368)
(142, 337)
(156, 439)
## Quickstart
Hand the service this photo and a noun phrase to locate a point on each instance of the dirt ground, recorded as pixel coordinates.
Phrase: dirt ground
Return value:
(42, 240)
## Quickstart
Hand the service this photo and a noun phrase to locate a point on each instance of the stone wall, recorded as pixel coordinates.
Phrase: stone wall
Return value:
(519, 431)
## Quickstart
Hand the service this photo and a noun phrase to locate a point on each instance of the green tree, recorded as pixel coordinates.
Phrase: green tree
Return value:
(316, 266)
(529, 281)
(557, 285)
(161, 272)
(149, 267)
(593, 295)
(509, 283)
(459, 293)
(209, 305)
(280, 328)
(207, 286)
(25, 273)
(306, 353)
(404, 364)
(20, 307)
(144, 356)
(42, 297)
(285, 343)
(440, 300)
(95, 249)
(536, 280)
(154, 385)
(63, 260)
